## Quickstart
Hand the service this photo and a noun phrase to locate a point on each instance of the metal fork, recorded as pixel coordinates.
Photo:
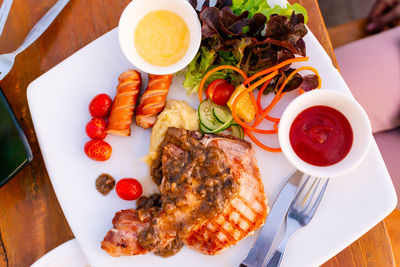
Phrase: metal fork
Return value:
(300, 213)
(4, 10)
(7, 60)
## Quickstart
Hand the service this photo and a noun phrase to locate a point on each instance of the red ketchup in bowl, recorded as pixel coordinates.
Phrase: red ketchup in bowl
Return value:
(321, 136)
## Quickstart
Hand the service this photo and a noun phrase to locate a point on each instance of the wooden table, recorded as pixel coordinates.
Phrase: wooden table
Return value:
(31, 220)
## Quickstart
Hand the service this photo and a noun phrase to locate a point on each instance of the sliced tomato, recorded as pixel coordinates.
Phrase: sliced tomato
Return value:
(98, 150)
(96, 128)
(219, 91)
(129, 189)
(100, 106)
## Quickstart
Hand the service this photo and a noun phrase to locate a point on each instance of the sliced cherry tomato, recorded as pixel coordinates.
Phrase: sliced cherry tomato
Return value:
(100, 106)
(129, 189)
(96, 128)
(98, 150)
(219, 91)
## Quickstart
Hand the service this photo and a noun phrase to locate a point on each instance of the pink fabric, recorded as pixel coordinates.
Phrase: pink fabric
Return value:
(389, 145)
(371, 68)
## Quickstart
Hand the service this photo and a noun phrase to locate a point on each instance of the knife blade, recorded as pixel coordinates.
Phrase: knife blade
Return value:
(275, 218)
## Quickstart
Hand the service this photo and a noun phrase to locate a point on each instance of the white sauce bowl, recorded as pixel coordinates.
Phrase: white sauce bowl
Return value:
(354, 113)
(136, 10)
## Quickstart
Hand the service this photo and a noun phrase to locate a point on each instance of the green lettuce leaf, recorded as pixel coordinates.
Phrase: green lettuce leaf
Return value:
(253, 6)
(198, 68)
(203, 62)
(261, 6)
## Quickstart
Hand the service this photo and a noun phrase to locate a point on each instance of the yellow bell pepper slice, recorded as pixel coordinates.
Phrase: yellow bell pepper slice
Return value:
(245, 108)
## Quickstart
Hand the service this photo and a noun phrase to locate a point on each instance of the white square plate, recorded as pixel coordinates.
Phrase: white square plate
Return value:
(58, 102)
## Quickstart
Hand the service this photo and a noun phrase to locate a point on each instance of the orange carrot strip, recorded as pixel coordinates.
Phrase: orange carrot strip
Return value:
(276, 126)
(261, 145)
(208, 74)
(266, 116)
(272, 119)
(259, 105)
(260, 93)
(278, 94)
(236, 101)
(276, 67)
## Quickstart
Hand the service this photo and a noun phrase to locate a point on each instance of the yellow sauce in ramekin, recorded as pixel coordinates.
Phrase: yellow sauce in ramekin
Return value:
(162, 38)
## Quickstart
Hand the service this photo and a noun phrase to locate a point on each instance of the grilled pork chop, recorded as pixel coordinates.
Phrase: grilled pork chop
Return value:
(245, 213)
(211, 194)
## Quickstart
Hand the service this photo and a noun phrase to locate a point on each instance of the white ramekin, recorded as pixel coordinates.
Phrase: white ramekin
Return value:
(350, 109)
(136, 10)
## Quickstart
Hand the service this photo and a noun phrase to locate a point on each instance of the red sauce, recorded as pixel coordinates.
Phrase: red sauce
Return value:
(321, 136)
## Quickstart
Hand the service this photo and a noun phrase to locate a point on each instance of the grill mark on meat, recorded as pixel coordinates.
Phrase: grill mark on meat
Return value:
(209, 232)
(237, 226)
(224, 231)
(247, 204)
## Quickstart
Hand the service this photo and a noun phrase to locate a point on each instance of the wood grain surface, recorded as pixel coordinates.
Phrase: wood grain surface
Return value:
(392, 223)
(347, 32)
(31, 220)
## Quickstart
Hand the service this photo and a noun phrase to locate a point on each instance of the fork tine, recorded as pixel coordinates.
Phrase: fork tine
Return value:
(311, 193)
(304, 195)
(319, 198)
(300, 192)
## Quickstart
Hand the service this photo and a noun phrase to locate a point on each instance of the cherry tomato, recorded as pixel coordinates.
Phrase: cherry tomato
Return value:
(98, 150)
(219, 91)
(96, 127)
(129, 189)
(100, 106)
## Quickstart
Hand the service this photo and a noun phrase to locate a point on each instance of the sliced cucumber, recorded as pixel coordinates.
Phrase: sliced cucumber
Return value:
(237, 131)
(221, 127)
(206, 115)
(214, 118)
(203, 128)
(222, 114)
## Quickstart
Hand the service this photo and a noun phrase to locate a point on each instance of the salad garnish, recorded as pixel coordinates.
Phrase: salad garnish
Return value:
(240, 111)
(249, 35)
